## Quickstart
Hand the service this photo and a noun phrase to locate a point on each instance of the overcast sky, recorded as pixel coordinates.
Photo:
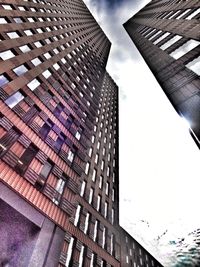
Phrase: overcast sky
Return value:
(159, 162)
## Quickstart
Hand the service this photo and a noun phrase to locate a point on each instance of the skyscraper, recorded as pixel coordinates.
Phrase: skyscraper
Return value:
(59, 178)
(167, 35)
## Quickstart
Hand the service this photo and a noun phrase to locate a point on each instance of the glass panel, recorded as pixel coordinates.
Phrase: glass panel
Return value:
(194, 65)
(3, 80)
(184, 49)
(20, 70)
(33, 84)
(14, 99)
(171, 42)
(196, 12)
(6, 54)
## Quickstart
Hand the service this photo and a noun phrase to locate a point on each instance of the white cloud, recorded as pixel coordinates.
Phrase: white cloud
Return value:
(159, 161)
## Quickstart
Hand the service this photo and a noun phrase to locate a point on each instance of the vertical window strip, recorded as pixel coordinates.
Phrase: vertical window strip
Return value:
(69, 252)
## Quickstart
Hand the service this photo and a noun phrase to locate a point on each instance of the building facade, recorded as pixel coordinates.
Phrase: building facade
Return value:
(59, 178)
(167, 35)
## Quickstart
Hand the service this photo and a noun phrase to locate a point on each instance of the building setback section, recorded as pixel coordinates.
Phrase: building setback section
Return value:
(59, 195)
(168, 37)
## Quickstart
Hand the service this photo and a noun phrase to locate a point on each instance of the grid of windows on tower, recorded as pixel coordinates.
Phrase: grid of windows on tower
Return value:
(167, 36)
(59, 179)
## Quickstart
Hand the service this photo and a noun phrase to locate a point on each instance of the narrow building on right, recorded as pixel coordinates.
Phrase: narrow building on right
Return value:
(167, 34)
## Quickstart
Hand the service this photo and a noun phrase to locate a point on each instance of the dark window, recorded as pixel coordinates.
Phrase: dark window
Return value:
(103, 263)
(59, 141)
(8, 139)
(58, 109)
(46, 170)
(46, 128)
(69, 121)
(26, 158)
(106, 234)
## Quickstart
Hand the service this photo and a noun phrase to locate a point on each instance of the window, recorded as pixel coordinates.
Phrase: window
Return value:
(182, 14)
(20, 70)
(46, 74)
(56, 66)
(47, 55)
(83, 188)
(60, 186)
(91, 195)
(154, 35)
(8, 139)
(69, 252)
(102, 165)
(112, 216)
(30, 19)
(194, 13)
(95, 231)
(108, 171)
(106, 209)
(78, 135)
(161, 38)
(93, 139)
(26, 158)
(6, 55)
(3, 80)
(81, 257)
(194, 65)
(100, 181)
(103, 263)
(112, 245)
(77, 215)
(18, 20)
(170, 42)
(87, 167)
(46, 169)
(104, 237)
(92, 261)
(90, 152)
(86, 223)
(107, 188)
(94, 175)
(70, 156)
(21, 8)
(7, 7)
(3, 21)
(25, 48)
(98, 202)
(185, 48)
(45, 129)
(113, 194)
(98, 145)
(12, 35)
(13, 100)
(96, 158)
(39, 30)
(36, 61)
(33, 84)
(28, 32)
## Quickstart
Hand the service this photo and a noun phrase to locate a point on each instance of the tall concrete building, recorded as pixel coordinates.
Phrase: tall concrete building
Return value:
(59, 179)
(167, 34)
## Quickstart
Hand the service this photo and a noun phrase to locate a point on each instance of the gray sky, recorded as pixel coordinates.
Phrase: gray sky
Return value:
(159, 161)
